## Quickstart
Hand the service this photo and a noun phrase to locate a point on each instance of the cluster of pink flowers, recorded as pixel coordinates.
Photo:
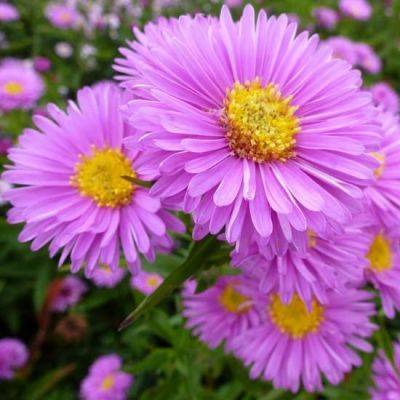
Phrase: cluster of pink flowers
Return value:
(13, 355)
(267, 139)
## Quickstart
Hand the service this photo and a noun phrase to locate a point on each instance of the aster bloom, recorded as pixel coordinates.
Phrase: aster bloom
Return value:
(20, 85)
(146, 282)
(5, 144)
(8, 13)
(105, 380)
(343, 49)
(323, 263)
(326, 17)
(383, 269)
(295, 344)
(104, 276)
(357, 9)
(273, 140)
(367, 58)
(78, 194)
(41, 64)
(63, 49)
(383, 197)
(71, 290)
(386, 380)
(221, 312)
(13, 355)
(62, 16)
(385, 96)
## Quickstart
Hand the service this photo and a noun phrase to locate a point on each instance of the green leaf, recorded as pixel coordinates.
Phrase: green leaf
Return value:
(194, 262)
(41, 285)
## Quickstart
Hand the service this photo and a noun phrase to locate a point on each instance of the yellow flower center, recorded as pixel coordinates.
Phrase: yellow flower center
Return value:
(381, 158)
(13, 88)
(65, 16)
(105, 268)
(153, 281)
(234, 301)
(294, 318)
(102, 176)
(108, 382)
(312, 238)
(380, 254)
(260, 123)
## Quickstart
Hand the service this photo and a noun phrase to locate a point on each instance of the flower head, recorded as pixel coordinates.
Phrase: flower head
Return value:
(223, 311)
(20, 85)
(71, 290)
(105, 380)
(367, 58)
(41, 64)
(343, 48)
(357, 9)
(13, 355)
(8, 13)
(62, 16)
(255, 128)
(104, 276)
(298, 344)
(146, 282)
(78, 191)
(326, 17)
(386, 380)
(385, 96)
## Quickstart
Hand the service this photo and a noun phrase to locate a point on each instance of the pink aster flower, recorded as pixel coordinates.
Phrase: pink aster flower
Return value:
(62, 16)
(106, 381)
(343, 49)
(8, 13)
(321, 264)
(357, 9)
(13, 355)
(104, 276)
(77, 191)
(221, 312)
(385, 96)
(367, 59)
(326, 17)
(20, 85)
(41, 64)
(386, 380)
(233, 3)
(383, 269)
(146, 282)
(295, 344)
(5, 144)
(71, 290)
(254, 128)
(383, 197)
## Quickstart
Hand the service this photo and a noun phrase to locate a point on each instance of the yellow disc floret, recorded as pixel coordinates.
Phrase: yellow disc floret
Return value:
(381, 158)
(261, 124)
(294, 319)
(380, 254)
(103, 177)
(13, 88)
(153, 281)
(234, 301)
(108, 382)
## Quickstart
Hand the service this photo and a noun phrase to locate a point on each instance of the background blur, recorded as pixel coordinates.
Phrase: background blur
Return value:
(166, 361)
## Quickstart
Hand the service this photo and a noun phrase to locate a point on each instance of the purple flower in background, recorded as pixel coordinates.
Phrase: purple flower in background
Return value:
(223, 311)
(62, 16)
(385, 96)
(78, 191)
(5, 144)
(295, 345)
(106, 381)
(282, 150)
(71, 290)
(367, 59)
(8, 13)
(13, 355)
(20, 85)
(326, 17)
(386, 380)
(104, 276)
(41, 64)
(63, 49)
(146, 282)
(233, 3)
(293, 18)
(343, 49)
(357, 9)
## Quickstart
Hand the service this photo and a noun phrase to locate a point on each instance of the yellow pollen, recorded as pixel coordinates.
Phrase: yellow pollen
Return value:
(381, 158)
(260, 123)
(153, 281)
(101, 177)
(380, 254)
(105, 268)
(234, 301)
(312, 238)
(294, 318)
(65, 16)
(13, 88)
(108, 382)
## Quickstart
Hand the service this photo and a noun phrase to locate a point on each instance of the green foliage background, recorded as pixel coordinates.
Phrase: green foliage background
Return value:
(167, 362)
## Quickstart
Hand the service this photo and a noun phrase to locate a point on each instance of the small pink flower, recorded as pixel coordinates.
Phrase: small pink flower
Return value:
(146, 282)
